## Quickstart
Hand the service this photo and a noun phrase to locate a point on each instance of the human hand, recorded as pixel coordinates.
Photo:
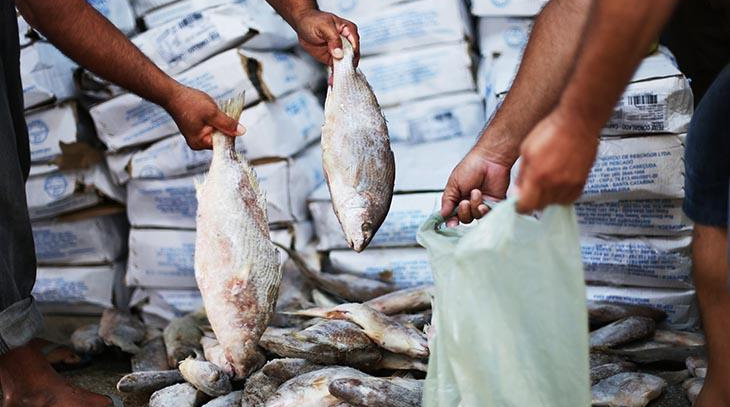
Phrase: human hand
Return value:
(198, 116)
(557, 157)
(319, 35)
(477, 176)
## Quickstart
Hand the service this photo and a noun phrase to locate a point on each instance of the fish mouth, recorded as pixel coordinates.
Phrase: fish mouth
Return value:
(363, 239)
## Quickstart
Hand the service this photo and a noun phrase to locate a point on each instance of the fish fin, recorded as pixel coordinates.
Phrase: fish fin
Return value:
(254, 182)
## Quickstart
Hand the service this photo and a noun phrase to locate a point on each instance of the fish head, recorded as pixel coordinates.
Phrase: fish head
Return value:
(359, 230)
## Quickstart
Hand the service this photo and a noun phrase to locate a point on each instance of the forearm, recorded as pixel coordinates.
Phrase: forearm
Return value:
(291, 10)
(546, 65)
(83, 34)
(618, 35)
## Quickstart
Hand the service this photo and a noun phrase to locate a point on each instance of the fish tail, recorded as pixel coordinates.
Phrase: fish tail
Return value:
(232, 108)
(348, 58)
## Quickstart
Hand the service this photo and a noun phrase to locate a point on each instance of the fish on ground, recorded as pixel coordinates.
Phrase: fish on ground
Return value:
(322, 300)
(145, 382)
(236, 265)
(627, 390)
(182, 336)
(177, 395)
(288, 368)
(151, 357)
(344, 336)
(346, 286)
(377, 392)
(406, 300)
(86, 340)
(697, 366)
(258, 388)
(358, 163)
(602, 313)
(394, 361)
(232, 399)
(284, 343)
(416, 321)
(623, 331)
(693, 387)
(312, 389)
(121, 329)
(206, 377)
(601, 372)
(383, 330)
(669, 346)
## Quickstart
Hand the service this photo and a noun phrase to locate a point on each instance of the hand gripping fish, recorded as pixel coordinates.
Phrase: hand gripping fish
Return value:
(358, 163)
(236, 265)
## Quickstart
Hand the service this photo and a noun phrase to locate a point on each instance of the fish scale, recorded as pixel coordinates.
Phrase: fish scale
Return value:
(236, 265)
(358, 163)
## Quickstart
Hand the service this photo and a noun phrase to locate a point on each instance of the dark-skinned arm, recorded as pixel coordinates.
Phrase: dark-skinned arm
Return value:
(87, 37)
(559, 152)
(319, 32)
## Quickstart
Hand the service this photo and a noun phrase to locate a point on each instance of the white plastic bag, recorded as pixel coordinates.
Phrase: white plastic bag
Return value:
(510, 319)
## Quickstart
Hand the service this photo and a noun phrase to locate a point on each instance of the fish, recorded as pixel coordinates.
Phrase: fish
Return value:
(358, 163)
(383, 330)
(621, 332)
(601, 313)
(415, 321)
(285, 344)
(697, 366)
(344, 336)
(258, 388)
(206, 377)
(394, 361)
(693, 387)
(86, 340)
(406, 300)
(672, 396)
(182, 336)
(627, 390)
(237, 267)
(145, 382)
(121, 329)
(601, 372)
(178, 395)
(668, 346)
(376, 392)
(346, 286)
(312, 389)
(322, 300)
(151, 357)
(232, 399)
(598, 358)
(288, 368)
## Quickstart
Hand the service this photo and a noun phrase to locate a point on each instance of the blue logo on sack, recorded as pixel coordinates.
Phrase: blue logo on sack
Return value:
(515, 37)
(500, 3)
(150, 172)
(55, 185)
(37, 131)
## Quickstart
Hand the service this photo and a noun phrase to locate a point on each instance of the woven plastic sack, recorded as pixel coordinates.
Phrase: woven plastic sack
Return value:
(510, 321)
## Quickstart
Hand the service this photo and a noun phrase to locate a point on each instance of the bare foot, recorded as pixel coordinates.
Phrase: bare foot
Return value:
(28, 380)
(59, 354)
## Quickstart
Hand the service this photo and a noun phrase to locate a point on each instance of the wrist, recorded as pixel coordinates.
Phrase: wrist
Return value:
(577, 122)
(498, 147)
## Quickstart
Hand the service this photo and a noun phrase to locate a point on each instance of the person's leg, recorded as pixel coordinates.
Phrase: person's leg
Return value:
(707, 177)
(26, 377)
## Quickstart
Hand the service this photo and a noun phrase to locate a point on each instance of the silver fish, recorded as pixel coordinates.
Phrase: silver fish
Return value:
(121, 329)
(602, 313)
(383, 330)
(178, 395)
(288, 368)
(342, 335)
(377, 392)
(358, 163)
(601, 372)
(258, 388)
(232, 399)
(312, 389)
(697, 366)
(346, 286)
(86, 340)
(206, 377)
(182, 336)
(671, 346)
(693, 387)
(236, 265)
(151, 357)
(627, 390)
(285, 344)
(145, 382)
(407, 300)
(623, 331)
(394, 361)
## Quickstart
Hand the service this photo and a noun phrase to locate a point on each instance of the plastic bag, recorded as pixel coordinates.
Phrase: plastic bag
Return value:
(510, 319)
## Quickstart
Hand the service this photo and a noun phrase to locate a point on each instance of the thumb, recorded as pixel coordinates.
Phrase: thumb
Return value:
(529, 194)
(225, 124)
(332, 35)
(449, 199)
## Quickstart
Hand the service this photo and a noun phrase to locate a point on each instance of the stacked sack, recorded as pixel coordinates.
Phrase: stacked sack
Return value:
(223, 48)
(635, 242)
(79, 226)
(417, 57)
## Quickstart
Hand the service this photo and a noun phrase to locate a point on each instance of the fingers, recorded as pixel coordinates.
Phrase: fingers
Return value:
(478, 209)
(226, 125)
(449, 199)
(349, 30)
(331, 34)
(464, 212)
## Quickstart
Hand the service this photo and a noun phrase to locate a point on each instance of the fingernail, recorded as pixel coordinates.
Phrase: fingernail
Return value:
(240, 130)
(337, 53)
